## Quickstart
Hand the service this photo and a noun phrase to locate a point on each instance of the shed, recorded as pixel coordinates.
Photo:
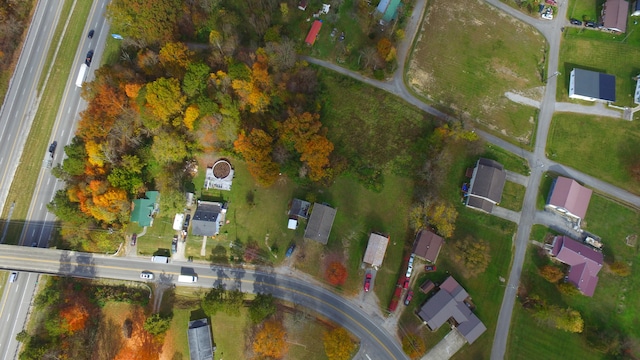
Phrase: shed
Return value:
(376, 248)
(427, 286)
(299, 209)
(320, 223)
(313, 33)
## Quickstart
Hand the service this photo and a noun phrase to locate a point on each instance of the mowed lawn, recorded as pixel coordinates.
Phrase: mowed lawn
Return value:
(594, 50)
(469, 55)
(601, 147)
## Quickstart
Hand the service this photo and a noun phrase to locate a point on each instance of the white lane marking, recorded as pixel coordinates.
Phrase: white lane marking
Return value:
(40, 206)
(33, 232)
(62, 134)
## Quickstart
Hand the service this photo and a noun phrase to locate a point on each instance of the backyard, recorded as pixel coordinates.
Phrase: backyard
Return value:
(492, 54)
(601, 147)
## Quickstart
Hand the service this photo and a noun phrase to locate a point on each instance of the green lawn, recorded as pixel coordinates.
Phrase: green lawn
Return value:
(470, 75)
(24, 181)
(509, 160)
(512, 196)
(601, 147)
(585, 10)
(543, 190)
(591, 50)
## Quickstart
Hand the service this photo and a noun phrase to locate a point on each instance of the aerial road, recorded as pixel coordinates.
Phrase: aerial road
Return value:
(380, 344)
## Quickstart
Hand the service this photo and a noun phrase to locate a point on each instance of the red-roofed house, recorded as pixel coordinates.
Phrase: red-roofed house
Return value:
(427, 245)
(569, 199)
(614, 15)
(313, 33)
(585, 262)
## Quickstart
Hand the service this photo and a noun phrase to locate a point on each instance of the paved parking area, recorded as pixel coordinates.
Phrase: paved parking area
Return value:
(447, 347)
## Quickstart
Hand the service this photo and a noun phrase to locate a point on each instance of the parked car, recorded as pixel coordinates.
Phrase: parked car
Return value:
(134, 239)
(13, 277)
(430, 268)
(147, 275)
(410, 266)
(290, 250)
(548, 14)
(590, 24)
(575, 21)
(91, 32)
(174, 244)
(407, 300)
(406, 284)
(185, 226)
(367, 282)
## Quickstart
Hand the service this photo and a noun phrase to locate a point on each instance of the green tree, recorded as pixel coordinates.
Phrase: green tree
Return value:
(165, 98)
(172, 202)
(262, 306)
(147, 22)
(66, 210)
(168, 148)
(125, 179)
(76, 152)
(213, 300)
(195, 79)
(23, 337)
(234, 302)
(620, 268)
(157, 324)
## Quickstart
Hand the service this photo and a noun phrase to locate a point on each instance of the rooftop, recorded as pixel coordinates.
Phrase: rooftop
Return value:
(568, 194)
(376, 248)
(427, 245)
(200, 342)
(320, 223)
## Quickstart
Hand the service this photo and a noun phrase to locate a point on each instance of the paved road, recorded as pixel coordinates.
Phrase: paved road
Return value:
(85, 265)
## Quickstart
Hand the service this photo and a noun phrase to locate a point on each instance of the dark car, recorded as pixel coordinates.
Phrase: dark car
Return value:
(407, 300)
(134, 239)
(430, 268)
(91, 34)
(185, 226)
(34, 244)
(174, 244)
(590, 24)
(575, 21)
(89, 58)
(52, 147)
(367, 282)
(290, 250)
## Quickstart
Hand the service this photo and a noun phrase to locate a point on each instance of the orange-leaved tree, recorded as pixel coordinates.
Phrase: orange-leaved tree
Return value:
(270, 342)
(316, 156)
(256, 149)
(338, 344)
(336, 273)
(75, 317)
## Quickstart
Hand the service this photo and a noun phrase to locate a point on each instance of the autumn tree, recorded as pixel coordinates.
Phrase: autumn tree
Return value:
(438, 213)
(175, 57)
(568, 289)
(336, 273)
(338, 344)
(563, 319)
(472, 254)
(145, 22)
(270, 341)
(384, 47)
(298, 129)
(255, 94)
(256, 149)
(261, 307)
(75, 317)
(316, 156)
(413, 345)
(165, 99)
(552, 274)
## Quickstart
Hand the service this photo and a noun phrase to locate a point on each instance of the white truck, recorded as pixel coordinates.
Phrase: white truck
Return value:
(160, 259)
(82, 75)
(187, 278)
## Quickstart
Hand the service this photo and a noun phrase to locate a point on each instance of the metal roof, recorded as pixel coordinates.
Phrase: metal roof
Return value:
(200, 342)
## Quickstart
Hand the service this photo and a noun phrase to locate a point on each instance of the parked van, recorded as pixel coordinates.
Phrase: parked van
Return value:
(160, 259)
(188, 278)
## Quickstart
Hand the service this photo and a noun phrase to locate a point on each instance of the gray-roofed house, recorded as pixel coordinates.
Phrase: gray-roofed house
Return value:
(144, 209)
(376, 248)
(592, 86)
(427, 245)
(200, 342)
(584, 261)
(636, 94)
(320, 223)
(486, 185)
(208, 218)
(635, 8)
(449, 304)
(614, 15)
(569, 199)
(299, 209)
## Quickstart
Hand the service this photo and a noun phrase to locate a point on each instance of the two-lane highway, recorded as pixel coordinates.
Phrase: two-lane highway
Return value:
(381, 344)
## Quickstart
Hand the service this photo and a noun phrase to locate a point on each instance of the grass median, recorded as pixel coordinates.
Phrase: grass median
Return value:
(25, 179)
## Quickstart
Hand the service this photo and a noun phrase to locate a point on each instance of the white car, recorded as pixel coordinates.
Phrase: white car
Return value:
(410, 266)
(146, 275)
(547, 14)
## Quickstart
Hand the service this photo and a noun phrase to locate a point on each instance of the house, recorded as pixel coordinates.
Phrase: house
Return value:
(200, 343)
(569, 199)
(313, 33)
(388, 9)
(592, 86)
(302, 5)
(376, 248)
(427, 245)
(614, 15)
(584, 261)
(487, 183)
(450, 304)
(208, 218)
(145, 209)
(635, 8)
(320, 223)
(299, 209)
(219, 176)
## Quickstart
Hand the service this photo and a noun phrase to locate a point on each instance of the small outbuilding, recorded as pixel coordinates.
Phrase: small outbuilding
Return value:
(313, 32)
(592, 86)
(320, 223)
(376, 248)
(427, 245)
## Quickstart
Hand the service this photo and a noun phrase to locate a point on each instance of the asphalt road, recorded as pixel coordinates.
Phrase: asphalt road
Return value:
(380, 344)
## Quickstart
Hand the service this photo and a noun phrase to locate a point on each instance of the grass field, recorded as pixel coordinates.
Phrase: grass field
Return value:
(512, 196)
(612, 309)
(591, 50)
(600, 147)
(585, 10)
(24, 181)
(470, 55)
(543, 190)
(510, 161)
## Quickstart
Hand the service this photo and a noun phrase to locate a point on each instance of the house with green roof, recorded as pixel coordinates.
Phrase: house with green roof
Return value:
(144, 209)
(388, 9)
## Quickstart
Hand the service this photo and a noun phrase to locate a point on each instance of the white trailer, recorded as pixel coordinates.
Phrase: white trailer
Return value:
(82, 75)
(187, 278)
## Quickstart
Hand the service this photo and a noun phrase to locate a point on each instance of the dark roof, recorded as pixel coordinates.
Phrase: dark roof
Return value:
(479, 203)
(427, 245)
(568, 194)
(200, 343)
(615, 15)
(206, 219)
(487, 183)
(320, 223)
(449, 303)
(585, 262)
(299, 208)
(594, 84)
(313, 33)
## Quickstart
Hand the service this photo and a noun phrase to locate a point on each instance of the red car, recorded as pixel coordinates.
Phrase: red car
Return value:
(367, 282)
(406, 284)
(407, 300)
(430, 268)
(134, 238)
